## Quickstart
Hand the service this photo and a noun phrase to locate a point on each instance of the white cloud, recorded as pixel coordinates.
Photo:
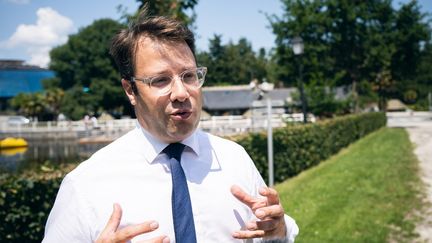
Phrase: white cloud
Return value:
(51, 29)
(19, 1)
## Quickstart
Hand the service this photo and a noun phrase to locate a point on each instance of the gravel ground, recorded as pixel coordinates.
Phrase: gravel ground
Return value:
(422, 138)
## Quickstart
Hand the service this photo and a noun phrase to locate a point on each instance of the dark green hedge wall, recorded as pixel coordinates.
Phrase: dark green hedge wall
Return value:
(299, 147)
(24, 206)
(26, 200)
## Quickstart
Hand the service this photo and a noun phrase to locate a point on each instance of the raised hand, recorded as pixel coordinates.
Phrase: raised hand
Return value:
(268, 210)
(111, 233)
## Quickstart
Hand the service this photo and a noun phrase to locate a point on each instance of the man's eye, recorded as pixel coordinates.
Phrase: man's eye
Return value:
(160, 81)
(189, 77)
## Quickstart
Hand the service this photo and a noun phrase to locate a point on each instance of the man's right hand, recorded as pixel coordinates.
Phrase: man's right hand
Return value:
(111, 233)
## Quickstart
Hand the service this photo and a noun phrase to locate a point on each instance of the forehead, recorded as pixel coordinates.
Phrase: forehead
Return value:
(154, 55)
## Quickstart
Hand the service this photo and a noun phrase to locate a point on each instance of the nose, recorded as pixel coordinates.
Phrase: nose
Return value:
(178, 91)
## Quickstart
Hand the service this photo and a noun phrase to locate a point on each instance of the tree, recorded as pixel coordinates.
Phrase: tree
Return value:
(53, 100)
(423, 85)
(86, 71)
(349, 42)
(182, 10)
(411, 37)
(41, 105)
(28, 104)
(232, 63)
(308, 20)
(411, 33)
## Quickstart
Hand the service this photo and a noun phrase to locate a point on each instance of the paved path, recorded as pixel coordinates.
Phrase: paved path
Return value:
(419, 128)
(422, 138)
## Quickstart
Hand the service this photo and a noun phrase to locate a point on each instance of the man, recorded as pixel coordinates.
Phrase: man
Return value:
(223, 197)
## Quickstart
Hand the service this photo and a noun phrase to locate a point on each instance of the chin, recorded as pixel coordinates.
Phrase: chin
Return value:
(180, 135)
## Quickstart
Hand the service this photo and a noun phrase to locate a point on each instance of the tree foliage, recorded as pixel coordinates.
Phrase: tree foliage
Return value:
(40, 105)
(172, 8)
(351, 42)
(86, 71)
(232, 63)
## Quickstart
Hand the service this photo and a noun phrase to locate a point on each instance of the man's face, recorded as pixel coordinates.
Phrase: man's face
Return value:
(169, 117)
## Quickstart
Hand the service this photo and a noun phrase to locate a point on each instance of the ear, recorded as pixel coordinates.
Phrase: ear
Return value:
(127, 86)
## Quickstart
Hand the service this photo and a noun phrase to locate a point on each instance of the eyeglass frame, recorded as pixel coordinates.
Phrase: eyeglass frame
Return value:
(149, 80)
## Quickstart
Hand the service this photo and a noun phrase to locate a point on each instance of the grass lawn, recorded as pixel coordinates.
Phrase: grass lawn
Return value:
(363, 194)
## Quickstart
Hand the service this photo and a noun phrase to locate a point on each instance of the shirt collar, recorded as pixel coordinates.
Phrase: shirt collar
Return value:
(152, 146)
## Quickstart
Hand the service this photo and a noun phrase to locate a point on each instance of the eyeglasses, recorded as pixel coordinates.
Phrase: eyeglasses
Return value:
(192, 79)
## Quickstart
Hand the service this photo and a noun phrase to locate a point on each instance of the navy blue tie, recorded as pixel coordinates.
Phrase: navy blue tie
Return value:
(184, 227)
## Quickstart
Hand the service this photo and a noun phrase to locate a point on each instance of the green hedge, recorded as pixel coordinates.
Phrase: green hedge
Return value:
(298, 147)
(26, 200)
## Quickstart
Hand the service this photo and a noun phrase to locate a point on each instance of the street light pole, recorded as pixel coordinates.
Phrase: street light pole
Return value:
(298, 48)
(270, 140)
(302, 93)
(265, 88)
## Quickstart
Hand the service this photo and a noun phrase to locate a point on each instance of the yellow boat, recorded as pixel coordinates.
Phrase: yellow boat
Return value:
(8, 143)
(12, 151)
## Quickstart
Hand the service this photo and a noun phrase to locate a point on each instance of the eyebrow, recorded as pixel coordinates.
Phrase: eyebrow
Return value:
(165, 72)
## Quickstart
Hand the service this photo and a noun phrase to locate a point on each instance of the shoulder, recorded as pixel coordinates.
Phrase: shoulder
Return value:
(107, 158)
(228, 153)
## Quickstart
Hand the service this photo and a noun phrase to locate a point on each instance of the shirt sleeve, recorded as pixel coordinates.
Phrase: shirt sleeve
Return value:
(67, 221)
(292, 229)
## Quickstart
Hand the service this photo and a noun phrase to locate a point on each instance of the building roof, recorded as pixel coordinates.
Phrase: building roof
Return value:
(229, 98)
(284, 94)
(10, 64)
(240, 97)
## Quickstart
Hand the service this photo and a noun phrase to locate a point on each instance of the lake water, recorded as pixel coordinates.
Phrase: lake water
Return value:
(40, 151)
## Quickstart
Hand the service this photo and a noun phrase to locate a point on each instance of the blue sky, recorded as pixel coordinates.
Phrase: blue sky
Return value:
(30, 28)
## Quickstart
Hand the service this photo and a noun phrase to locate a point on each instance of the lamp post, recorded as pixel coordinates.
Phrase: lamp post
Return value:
(265, 87)
(298, 48)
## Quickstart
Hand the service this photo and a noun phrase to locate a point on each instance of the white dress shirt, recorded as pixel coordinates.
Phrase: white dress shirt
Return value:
(133, 172)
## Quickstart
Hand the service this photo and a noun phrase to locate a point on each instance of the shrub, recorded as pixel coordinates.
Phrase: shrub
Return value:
(25, 202)
(299, 147)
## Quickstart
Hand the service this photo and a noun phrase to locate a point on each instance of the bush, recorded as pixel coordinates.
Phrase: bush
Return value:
(26, 200)
(299, 147)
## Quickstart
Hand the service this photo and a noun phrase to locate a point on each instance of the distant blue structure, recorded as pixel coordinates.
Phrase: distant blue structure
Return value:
(16, 77)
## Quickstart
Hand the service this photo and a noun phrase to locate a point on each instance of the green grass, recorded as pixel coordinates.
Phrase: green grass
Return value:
(362, 194)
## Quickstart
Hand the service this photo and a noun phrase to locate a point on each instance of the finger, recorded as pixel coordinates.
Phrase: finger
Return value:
(159, 239)
(243, 196)
(267, 225)
(271, 195)
(243, 234)
(252, 226)
(274, 211)
(131, 231)
(114, 220)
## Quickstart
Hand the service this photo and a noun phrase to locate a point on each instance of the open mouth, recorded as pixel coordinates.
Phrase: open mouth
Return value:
(181, 115)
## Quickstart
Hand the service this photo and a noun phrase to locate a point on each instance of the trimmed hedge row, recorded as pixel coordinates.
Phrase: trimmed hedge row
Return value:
(298, 147)
(26, 200)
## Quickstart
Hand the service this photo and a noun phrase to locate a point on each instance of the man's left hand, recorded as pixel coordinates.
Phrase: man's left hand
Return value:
(268, 210)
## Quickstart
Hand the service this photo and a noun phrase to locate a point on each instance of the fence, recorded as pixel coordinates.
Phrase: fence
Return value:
(110, 129)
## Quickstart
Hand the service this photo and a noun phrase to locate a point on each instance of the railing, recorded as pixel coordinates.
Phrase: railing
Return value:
(228, 125)
(220, 125)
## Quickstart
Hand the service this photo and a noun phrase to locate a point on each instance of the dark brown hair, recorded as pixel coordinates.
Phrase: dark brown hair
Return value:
(159, 28)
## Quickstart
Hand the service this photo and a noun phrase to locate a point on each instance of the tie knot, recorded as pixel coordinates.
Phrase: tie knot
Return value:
(174, 150)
